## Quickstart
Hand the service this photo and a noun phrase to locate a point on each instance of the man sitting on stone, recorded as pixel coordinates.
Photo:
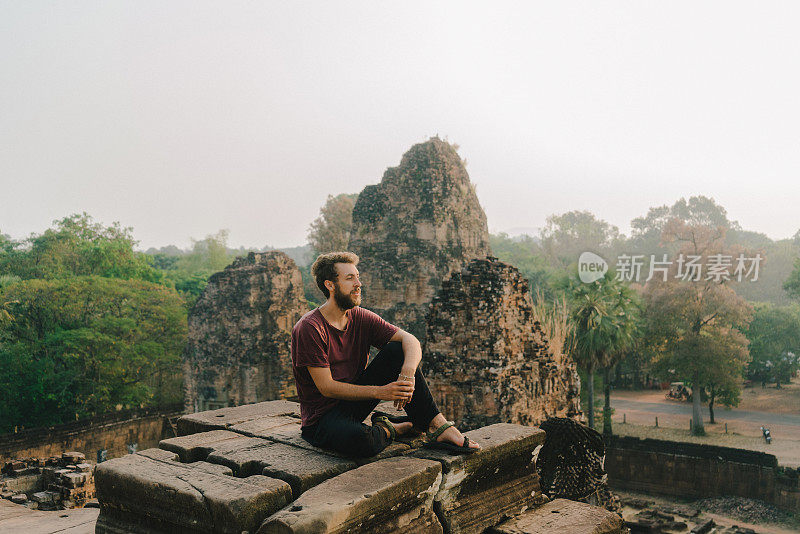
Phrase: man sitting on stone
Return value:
(337, 390)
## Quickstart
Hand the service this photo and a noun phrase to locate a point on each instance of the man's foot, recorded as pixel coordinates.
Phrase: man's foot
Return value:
(451, 434)
(403, 428)
(454, 436)
(399, 428)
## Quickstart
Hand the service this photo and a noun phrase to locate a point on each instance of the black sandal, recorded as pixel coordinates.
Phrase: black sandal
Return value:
(396, 419)
(383, 421)
(431, 443)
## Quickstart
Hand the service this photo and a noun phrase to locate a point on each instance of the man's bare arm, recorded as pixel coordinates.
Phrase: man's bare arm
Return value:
(412, 351)
(343, 391)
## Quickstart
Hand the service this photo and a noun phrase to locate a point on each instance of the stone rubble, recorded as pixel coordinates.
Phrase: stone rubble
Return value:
(55, 483)
(749, 510)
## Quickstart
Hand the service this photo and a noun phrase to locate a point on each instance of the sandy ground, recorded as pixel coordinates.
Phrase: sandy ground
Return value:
(785, 400)
(17, 518)
(639, 410)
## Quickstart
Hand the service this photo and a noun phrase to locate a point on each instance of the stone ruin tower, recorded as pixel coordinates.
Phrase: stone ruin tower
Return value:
(239, 339)
(486, 357)
(411, 230)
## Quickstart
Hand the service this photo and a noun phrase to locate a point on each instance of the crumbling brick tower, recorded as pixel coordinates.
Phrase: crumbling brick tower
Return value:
(411, 230)
(486, 357)
(238, 348)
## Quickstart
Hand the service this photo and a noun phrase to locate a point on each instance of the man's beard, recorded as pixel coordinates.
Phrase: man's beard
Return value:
(345, 301)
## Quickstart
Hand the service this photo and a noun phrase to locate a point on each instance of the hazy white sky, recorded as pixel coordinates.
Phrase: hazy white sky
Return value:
(182, 118)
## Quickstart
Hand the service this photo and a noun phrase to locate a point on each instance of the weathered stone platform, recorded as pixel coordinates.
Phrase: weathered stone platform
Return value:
(247, 469)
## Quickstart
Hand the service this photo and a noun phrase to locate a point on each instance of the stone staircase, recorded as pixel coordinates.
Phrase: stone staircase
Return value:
(246, 469)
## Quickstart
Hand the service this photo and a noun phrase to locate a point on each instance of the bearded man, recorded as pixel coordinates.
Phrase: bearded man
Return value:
(336, 387)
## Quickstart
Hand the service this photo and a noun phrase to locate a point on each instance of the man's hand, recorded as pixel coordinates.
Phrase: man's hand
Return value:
(400, 404)
(396, 391)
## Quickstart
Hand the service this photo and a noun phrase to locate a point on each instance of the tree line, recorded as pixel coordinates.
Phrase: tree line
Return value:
(713, 332)
(89, 325)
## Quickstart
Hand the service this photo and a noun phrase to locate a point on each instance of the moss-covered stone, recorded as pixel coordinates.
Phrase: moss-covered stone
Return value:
(487, 359)
(420, 223)
(240, 332)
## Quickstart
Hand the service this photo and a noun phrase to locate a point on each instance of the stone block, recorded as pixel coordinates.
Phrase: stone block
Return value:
(140, 493)
(172, 458)
(45, 497)
(195, 447)
(392, 495)
(25, 471)
(72, 457)
(562, 515)
(19, 498)
(301, 468)
(26, 484)
(74, 480)
(84, 467)
(290, 435)
(478, 490)
(226, 417)
(263, 425)
(13, 465)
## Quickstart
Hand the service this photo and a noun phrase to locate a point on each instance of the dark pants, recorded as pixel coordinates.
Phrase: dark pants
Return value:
(341, 428)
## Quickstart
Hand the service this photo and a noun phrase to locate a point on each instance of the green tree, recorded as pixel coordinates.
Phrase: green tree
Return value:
(330, 232)
(646, 231)
(207, 255)
(564, 237)
(695, 326)
(604, 321)
(525, 254)
(697, 211)
(792, 284)
(77, 246)
(188, 271)
(774, 335)
(84, 345)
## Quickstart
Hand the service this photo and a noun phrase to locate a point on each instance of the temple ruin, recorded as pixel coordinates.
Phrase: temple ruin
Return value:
(486, 357)
(240, 333)
(248, 469)
(411, 230)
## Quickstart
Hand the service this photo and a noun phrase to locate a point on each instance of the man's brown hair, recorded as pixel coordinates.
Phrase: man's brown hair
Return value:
(324, 267)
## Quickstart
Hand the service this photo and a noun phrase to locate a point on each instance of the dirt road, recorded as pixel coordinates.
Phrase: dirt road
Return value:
(723, 414)
(639, 410)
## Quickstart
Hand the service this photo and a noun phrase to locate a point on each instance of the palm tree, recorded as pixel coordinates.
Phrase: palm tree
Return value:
(5, 314)
(603, 313)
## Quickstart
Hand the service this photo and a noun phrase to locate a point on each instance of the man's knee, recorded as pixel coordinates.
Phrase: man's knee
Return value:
(369, 442)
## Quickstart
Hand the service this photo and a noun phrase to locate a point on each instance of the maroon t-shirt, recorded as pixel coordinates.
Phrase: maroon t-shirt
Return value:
(315, 343)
